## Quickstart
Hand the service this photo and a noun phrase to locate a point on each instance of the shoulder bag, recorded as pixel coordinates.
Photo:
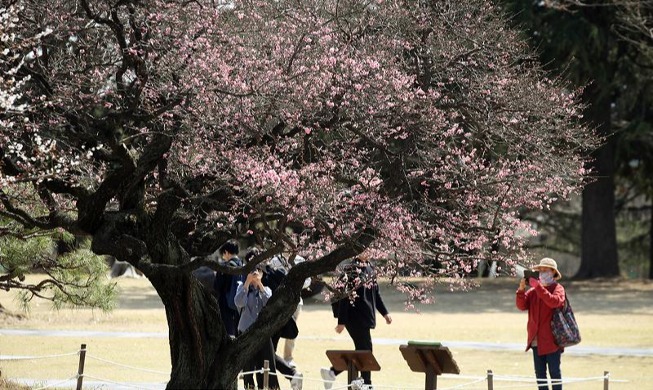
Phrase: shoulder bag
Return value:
(564, 326)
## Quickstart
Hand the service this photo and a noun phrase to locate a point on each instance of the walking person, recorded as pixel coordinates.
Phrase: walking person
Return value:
(281, 266)
(542, 298)
(357, 313)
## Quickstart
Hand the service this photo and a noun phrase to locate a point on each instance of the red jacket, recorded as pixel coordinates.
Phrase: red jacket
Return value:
(540, 302)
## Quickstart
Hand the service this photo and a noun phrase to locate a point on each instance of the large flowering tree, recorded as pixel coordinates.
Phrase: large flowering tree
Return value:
(416, 130)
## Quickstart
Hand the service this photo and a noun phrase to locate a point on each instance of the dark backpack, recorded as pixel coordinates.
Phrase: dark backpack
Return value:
(272, 277)
(233, 286)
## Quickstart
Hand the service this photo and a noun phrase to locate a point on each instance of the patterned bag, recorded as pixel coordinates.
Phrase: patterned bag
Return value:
(564, 326)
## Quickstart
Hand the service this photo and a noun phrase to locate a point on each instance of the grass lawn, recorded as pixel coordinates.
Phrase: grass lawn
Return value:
(611, 314)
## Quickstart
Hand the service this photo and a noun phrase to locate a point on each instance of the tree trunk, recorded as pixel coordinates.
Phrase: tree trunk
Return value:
(650, 247)
(202, 354)
(599, 256)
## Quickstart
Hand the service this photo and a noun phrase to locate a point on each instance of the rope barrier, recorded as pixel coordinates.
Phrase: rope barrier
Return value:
(9, 358)
(520, 381)
(125, 366)
(457, 376)
(402, 387)
(460, 386)
(341, 387)
(243, 373)
(57, 384)
(124, 384)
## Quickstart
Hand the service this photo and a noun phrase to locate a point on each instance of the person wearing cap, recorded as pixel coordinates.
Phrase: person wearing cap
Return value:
(542, 298)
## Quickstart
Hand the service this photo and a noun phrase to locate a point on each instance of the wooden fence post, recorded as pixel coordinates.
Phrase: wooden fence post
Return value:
(80, 370)
(266, 374)
(490, 380)
(606, 380)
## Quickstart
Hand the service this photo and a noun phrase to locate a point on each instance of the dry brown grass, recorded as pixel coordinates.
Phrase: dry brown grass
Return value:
(612, 314)
(9, 385)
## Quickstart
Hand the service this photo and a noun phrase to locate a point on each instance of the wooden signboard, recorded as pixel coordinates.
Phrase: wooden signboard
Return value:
(430, 358)
(353, 362)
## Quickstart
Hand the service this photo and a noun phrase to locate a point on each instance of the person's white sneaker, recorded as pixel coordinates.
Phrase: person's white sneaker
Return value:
(297, 381)
(358, 384)
(328, 376)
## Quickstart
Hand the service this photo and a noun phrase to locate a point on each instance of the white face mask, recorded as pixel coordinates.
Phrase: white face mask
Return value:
(546, 277)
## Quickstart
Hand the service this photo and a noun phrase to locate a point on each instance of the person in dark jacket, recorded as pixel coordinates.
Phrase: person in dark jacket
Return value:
(544, 296)
(357, 313)
(225, 285)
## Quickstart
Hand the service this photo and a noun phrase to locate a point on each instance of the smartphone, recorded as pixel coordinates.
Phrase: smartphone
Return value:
(531, 274)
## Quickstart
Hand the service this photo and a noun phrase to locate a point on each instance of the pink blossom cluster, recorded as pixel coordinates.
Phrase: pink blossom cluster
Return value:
(304, 123)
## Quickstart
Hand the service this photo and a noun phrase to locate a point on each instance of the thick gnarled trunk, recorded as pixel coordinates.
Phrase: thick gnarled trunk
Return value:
(203, 356)
(201, 353)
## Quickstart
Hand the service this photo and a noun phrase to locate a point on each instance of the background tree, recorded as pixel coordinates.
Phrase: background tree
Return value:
(416, 131)
(593, 43)
(635, 156)
(77, 277)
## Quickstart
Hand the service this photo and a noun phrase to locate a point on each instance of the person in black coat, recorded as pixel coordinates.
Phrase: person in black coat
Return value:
(225, 286)
(357, 312)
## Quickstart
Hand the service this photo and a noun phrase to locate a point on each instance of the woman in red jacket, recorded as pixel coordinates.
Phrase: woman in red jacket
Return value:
(545, 295)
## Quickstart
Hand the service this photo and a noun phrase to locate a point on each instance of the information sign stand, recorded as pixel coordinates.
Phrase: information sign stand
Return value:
(430, 358)
(353, 362)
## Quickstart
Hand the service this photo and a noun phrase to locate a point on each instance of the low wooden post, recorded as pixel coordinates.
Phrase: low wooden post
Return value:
(490, 380)
(606, 380)
(266, 374)
(80, 370)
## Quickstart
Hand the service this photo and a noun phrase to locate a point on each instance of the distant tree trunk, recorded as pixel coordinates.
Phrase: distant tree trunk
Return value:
(599, 256)
(650, 247)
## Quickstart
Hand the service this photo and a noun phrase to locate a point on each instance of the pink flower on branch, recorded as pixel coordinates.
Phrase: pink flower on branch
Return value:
(314, 128)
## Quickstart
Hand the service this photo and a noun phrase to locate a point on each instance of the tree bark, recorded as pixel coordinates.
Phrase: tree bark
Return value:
(650, 247)
(599, 256)
(201, 352)
(203, 356)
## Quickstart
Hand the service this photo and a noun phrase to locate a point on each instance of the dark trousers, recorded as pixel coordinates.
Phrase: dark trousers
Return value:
(230, 319)
(362, 342)
(265, 353)
(552, 362)
(282, 366)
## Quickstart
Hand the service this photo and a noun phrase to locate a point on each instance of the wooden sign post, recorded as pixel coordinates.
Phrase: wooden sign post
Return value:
(353, 362)
(430, 358)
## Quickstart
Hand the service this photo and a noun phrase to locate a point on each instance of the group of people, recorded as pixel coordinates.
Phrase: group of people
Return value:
(242, 298)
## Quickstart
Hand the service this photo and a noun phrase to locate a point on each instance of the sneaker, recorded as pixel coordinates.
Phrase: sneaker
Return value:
(291, 363)
(297, 381)
(358, 384)
(328, 376)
